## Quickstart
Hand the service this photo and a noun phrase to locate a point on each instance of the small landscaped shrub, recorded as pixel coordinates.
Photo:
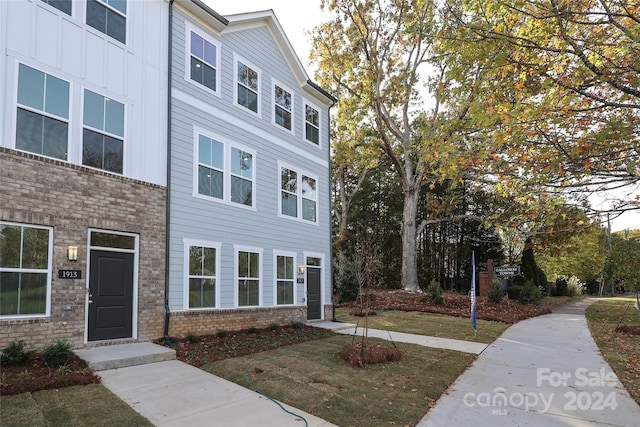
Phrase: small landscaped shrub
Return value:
(530, 294)
(495, 293)
(434, 292)
(575, 286)
(562, 287)
(346, 282)
(515, 291)
(297, 325)
(57, 354)
(193, 338)
(252, 330)
(222, 333)
(14, 354)
(274, 326)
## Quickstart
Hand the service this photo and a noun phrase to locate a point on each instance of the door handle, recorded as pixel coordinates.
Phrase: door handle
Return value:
(90, 300)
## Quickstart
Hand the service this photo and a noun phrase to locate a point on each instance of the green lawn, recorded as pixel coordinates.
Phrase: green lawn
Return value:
(435, 325)
(622, 351)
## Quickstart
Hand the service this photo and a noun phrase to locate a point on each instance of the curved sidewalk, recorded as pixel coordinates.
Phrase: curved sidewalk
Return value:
(543, 371)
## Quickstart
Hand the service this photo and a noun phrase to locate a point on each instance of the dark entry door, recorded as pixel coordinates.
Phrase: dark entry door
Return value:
(110, 295)
(313, 293)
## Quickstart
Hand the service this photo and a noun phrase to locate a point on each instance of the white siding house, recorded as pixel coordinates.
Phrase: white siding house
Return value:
(249, 218)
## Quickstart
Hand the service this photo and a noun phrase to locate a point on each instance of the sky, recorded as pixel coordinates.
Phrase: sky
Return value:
(298, 16)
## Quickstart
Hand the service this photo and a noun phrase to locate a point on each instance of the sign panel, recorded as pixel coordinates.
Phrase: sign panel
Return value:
(507, 270)
(69, 274)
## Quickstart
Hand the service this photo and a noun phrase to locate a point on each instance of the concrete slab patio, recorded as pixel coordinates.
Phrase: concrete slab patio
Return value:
(543, 371)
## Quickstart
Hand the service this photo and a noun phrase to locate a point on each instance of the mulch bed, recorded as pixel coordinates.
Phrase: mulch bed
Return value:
(35, 375)
(365, 353)
(508, 311)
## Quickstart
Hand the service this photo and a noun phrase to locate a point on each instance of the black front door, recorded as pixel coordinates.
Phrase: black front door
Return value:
(314, 305)
(110, 295)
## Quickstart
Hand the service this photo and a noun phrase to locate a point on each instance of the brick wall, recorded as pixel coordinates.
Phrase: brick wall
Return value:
(209, 322)
(71, 199)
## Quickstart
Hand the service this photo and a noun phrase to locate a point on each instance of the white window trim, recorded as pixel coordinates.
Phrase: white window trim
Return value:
(306, 102)
(47, 312)
(249, 64)
(208, 244)
(276, 254)
(40, 112)
(226, 171)
(187, 58)
(259, 251)
(300, 173)
(275, 83)
(125, 168)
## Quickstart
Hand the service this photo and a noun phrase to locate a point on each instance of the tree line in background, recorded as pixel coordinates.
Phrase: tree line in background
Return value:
(475, 125)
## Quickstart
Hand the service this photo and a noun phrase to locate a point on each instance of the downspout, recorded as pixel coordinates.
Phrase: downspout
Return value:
(333, 300)
(167, 312)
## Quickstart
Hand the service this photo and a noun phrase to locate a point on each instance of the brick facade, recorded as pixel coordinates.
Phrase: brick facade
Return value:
(71, 199)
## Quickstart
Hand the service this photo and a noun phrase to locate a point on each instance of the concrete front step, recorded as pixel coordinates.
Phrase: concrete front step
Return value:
(123, 355)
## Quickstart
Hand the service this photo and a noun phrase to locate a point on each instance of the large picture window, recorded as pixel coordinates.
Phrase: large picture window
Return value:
(284, 281)
(42, 122)
(247, 86)
(202, 276)
(203, 61)
(103, 133)
(298, 195)
(224, 171)
(248, 278)
(108, 17)
(25, 266)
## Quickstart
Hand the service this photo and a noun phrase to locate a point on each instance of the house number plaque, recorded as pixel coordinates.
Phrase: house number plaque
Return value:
(69, 274)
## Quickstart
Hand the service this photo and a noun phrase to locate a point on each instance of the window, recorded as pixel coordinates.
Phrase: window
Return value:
(25, 266)
(311, 124)
(42, 122)
(108, 17)
(247, 86)
(285, 266)
(202, 275)
(61, 5)
(298, 195)
(103, 133)
(248, 278)
(204, 61)
(210, 167)
(283, 107)
(224, 171)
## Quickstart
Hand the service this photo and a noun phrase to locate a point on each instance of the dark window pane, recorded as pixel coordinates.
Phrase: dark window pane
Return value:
(243, 264)
(285, 292)
(289, 204)
(195, 260)
(197, 70)
(308, 210)
(55, 139)
(23, 293)
(202, 293)
(9, 293)
(116, 26)
(283, 118)
(29, 131)
(31, 87)
(92, 146)
(62, 5)
(313, 134)
(210, 182)
(241, 190)
(120, 5)
(209, 77)
(97, 15)
(248, 293)
(35, 248)
(247, 98)
(209, 261)
(108, 240)
(10, 246)
(113, 152)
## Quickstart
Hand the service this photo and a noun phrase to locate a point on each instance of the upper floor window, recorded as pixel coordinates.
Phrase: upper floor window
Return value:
(283, 107)
(42, 122)
(298, 195)
(311, 124)
(25, 269)
(61, 5)
(224, 171)
(103, 132)
(109, 17)
(204, 59)
(203, 260)
(247, 86)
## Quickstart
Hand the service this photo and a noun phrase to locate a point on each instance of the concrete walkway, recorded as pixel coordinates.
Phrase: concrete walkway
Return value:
(544, 371)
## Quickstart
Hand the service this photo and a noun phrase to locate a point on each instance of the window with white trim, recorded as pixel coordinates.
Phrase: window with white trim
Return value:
(25, 269)
(248, 273)
(103, 132)
(202, 275)
(224, 172)
(204, 57)
(282, 107)
(108, 17)
(298, 195)
(311, 124)
(285, 269)
(247, 86)
(61, 5)
(42, 121)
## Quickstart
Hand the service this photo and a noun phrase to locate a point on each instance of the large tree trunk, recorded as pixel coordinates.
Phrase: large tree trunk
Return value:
(409, 252)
